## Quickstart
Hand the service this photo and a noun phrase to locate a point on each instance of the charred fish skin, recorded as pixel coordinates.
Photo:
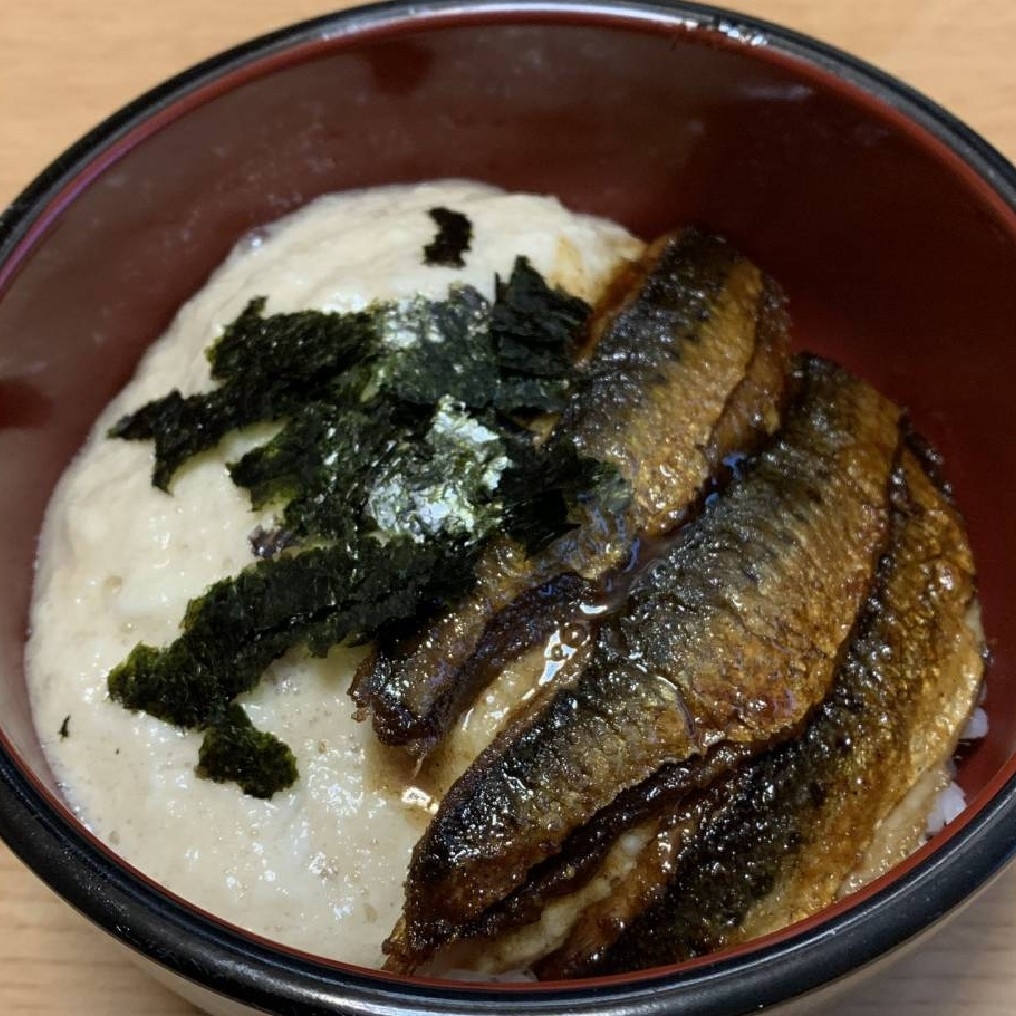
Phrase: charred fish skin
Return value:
(587, 850)
(690, 368)
(733, 637)
(687, 368)
(775, 841)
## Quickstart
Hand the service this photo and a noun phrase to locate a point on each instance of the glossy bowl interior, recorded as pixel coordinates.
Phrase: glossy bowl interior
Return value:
(891, 227)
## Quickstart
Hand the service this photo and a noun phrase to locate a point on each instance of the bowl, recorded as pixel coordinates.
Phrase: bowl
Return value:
(890, 224)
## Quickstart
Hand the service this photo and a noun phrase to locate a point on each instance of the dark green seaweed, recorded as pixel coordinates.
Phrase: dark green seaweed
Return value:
(535, 331)
(454, 235)
(235, 751)
(268, 367)
(399, 451)
(543, 487)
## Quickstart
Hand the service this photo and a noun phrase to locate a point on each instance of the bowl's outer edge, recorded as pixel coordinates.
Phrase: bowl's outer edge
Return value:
(173, 935)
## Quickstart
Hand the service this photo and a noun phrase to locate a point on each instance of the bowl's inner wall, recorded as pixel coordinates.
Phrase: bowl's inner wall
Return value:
(894, 261)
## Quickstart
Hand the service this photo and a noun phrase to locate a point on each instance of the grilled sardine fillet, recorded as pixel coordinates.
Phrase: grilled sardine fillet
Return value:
(688, 367)
(732, 638)
(774, 842)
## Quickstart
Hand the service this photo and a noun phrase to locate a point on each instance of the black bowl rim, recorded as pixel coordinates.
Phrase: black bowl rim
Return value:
(209, 954)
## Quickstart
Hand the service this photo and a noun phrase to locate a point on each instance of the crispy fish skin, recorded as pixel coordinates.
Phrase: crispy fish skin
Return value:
(732, 638)
(688, 368)
(774, 842)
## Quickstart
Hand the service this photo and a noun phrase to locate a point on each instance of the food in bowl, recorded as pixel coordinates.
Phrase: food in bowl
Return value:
(639, 598)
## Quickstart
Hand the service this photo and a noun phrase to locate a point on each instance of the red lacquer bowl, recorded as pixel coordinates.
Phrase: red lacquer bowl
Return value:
(890, 224)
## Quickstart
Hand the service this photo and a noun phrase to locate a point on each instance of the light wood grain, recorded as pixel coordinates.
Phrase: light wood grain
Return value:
(65, 64)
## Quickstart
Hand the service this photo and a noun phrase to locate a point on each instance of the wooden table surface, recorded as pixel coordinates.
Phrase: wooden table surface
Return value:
(65, 64)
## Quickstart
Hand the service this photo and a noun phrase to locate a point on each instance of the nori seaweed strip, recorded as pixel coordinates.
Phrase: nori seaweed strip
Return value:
(318, 465)
(454, 235)
(534, 329)
(529, 315)
(441, 350)
(235, 751)
(515, 355)
(443, 483)
(542, 488)
(270, 367)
